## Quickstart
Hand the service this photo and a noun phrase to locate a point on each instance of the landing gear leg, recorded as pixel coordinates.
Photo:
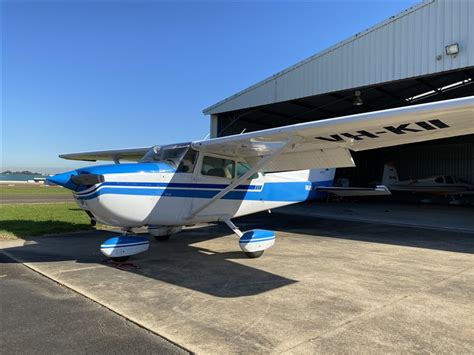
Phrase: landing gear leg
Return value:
(91, 216)
(233, 227)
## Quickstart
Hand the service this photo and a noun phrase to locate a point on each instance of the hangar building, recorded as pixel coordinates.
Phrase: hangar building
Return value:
(424, 54)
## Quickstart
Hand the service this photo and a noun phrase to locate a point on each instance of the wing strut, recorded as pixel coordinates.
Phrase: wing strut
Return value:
(241, 179)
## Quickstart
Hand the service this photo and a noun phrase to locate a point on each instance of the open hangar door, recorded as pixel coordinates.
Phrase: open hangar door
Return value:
(413, 91)
(453, 157)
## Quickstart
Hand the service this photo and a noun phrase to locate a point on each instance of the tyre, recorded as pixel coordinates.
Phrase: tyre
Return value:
(255, 254)
(162, 238)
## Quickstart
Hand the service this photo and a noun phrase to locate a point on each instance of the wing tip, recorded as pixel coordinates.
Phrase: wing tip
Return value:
(74, 157)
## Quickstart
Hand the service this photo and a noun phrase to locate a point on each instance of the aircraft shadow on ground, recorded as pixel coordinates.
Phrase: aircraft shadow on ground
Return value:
(178, 261)
(184, 261)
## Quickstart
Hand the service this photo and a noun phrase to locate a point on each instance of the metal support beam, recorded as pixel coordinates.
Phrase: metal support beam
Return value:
(274, 113)
(390, 94)
(312, 108)
(213, 129)
(282, 121)
(432, 87)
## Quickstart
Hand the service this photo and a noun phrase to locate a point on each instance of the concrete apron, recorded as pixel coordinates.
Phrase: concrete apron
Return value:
(324, 287)
(436, 217)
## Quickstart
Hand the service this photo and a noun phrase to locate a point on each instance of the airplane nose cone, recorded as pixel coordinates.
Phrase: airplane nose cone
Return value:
(63, 180)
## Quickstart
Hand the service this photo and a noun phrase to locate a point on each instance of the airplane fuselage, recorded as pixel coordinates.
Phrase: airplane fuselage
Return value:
(154, 194)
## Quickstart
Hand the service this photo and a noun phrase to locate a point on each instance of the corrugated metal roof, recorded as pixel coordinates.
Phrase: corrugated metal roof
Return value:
(404, 46)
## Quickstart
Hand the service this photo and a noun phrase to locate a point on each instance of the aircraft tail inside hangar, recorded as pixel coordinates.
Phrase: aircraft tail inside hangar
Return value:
(423, 54)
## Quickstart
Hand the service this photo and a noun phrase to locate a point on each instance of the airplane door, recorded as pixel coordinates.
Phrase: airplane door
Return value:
(211, 175)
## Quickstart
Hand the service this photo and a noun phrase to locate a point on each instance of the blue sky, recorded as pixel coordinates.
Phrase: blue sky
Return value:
(85, 75)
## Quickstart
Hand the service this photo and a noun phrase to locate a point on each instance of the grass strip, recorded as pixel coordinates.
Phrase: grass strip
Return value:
(25, 220)
(29, 189)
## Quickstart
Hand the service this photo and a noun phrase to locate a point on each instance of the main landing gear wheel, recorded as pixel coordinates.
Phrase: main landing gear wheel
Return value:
(120, 259)
(162, 238)
(255, 254)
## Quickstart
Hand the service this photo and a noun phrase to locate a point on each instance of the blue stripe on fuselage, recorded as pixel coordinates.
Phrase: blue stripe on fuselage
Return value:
(271, 191)
(168, 185)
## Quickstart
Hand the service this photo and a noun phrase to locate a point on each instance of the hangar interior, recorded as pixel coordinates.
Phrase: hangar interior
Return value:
(453, 156)
(421, 55)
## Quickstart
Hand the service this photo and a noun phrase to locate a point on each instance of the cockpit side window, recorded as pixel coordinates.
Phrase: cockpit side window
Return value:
(171, 154)
(188, 162)
(439, 180)
(153, 155)
(242, 168)
(218, 167)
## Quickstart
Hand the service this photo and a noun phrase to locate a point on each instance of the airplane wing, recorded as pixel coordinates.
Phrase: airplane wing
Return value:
(327, 143)
(133, 154)
(380, 190)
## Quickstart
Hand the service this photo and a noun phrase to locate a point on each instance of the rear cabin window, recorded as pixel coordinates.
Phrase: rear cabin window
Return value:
(218, 167)
(449, 179)
(242, 168)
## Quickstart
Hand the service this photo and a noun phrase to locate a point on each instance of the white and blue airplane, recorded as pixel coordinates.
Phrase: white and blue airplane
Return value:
(168, 187)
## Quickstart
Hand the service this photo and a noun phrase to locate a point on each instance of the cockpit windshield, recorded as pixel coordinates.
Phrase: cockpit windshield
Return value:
(171, 154)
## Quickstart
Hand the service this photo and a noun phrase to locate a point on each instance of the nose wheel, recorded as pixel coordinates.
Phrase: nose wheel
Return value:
(254, 255)
(163, 233)
(162, 238)
(119, 249)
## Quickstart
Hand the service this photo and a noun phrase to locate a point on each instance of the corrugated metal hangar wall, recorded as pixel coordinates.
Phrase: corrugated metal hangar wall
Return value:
(404, 60)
